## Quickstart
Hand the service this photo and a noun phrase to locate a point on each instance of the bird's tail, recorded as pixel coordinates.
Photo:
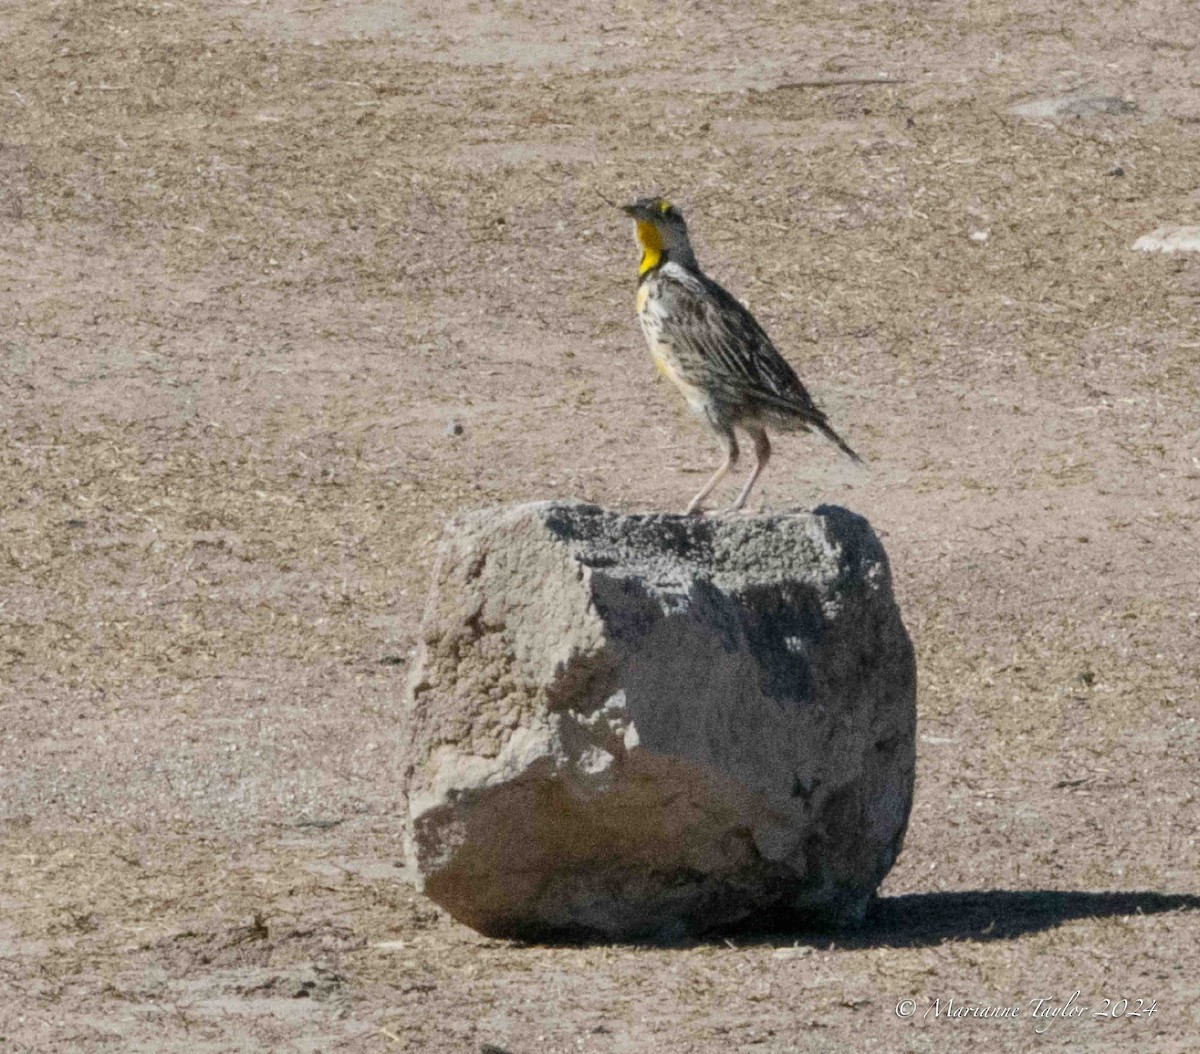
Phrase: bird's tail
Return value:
(824, 428)
(793, 414)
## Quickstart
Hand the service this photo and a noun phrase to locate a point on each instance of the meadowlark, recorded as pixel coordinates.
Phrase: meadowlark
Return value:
(714, 351)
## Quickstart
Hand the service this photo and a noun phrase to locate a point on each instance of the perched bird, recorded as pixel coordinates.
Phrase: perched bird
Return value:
(713, 350)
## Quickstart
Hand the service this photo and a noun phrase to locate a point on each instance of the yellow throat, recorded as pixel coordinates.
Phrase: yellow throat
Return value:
(652, 246)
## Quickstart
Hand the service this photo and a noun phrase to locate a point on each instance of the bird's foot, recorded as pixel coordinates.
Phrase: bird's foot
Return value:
(699, 511)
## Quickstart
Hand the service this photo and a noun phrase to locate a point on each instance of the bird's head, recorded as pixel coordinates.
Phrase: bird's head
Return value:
(661, 232)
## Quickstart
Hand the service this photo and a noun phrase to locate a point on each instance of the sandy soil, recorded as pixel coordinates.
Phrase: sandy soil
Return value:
(255, 256)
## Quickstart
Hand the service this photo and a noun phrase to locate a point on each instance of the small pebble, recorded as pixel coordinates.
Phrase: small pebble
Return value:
(1170, 239)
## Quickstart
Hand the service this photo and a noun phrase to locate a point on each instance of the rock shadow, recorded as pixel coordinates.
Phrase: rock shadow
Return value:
(916, 920)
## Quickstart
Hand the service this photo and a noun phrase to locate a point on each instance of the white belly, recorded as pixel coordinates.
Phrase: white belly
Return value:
(662, 352)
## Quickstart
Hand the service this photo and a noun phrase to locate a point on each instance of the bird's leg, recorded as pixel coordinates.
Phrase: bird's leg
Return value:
(762, 454)
(731, 459)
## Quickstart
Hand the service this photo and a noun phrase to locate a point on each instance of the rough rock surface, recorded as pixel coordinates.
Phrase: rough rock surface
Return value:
(648, 725)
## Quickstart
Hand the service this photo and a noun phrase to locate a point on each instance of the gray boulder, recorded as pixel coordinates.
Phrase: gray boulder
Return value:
(650, 725)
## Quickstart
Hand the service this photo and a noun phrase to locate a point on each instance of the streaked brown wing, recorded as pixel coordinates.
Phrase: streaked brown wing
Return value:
(713, 334)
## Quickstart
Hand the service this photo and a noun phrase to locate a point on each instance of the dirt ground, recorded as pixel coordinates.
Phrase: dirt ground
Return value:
(257, 255)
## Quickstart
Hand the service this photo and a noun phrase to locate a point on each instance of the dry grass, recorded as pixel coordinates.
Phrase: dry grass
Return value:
(255, 256)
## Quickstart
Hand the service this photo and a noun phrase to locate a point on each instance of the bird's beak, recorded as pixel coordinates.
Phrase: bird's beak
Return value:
(630, 210)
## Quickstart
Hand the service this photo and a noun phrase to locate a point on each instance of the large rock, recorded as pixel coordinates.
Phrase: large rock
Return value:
(649, 725)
